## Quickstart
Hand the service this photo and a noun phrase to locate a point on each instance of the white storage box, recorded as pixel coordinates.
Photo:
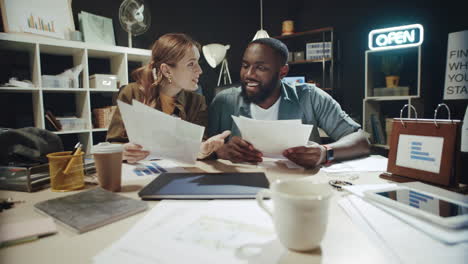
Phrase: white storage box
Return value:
(72, 123)
(103, 81)
(52, 81)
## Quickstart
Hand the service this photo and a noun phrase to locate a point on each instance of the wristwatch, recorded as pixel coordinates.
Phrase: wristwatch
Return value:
(329, 154)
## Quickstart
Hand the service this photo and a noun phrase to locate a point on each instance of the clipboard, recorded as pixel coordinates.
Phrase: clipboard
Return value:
(426, 150)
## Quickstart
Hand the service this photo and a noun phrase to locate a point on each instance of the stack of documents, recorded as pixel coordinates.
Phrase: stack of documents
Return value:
(25, 179)
(371, 163)
(403, 238)
(165, 136)
(197, 232)
(273, 137)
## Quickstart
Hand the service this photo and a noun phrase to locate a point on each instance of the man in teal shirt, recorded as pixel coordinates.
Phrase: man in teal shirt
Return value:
(264, 96)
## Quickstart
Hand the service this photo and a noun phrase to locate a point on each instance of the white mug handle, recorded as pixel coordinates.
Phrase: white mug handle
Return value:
(260, 197)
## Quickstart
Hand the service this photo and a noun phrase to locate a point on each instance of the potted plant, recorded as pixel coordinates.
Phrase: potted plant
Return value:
(391, 67)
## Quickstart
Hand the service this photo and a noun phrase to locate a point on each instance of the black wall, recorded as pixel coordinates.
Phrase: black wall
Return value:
(235, 22)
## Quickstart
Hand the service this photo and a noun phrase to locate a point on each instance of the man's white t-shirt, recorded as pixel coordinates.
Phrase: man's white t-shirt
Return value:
(265, 114)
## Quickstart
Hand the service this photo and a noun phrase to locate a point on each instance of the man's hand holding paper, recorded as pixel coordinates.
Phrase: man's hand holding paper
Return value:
(308, 156)
(239, 150)
(265, 138)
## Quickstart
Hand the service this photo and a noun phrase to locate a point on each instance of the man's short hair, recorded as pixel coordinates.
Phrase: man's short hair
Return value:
(277, 45)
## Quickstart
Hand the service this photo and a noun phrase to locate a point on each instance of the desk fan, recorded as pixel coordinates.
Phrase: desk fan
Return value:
(134, 18)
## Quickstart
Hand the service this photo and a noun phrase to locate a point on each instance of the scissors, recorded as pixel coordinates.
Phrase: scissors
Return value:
(339, 184)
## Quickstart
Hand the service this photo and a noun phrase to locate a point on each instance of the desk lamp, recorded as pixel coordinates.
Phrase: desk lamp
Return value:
(216, 54)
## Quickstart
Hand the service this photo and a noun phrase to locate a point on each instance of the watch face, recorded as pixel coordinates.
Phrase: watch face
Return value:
(330, 154)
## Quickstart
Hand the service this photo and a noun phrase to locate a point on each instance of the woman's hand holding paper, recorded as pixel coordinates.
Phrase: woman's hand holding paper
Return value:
(133, 153)
(212, 144)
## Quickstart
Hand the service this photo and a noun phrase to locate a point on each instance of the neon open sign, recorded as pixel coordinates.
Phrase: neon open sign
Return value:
(396, 37)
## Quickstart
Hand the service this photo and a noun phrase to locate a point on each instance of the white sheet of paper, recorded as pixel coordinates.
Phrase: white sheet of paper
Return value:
(408, 243)
(420, 152)
(273, 137)
(163, 135)
(197, 232)
(269, 163)
(361, 223)
(282, 122)
(130, 119)
(371, 163)
(359, 189)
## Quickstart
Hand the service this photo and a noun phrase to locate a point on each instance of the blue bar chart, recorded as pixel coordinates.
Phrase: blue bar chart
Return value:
(149, 169)
(417, 152)
(418, 199)
(420, 152)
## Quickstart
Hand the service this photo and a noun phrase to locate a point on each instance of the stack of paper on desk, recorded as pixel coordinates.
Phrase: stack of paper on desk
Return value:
(163, 135)
(273, 137)
(197, 232)
(371, 163)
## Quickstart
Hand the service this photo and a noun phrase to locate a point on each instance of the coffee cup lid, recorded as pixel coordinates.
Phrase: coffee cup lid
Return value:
(106, 147)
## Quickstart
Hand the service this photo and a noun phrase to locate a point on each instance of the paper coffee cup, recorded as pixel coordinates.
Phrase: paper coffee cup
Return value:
(108, 160)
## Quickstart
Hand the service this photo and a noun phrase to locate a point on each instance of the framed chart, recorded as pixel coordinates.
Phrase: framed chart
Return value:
(52, 18)
(425, 150)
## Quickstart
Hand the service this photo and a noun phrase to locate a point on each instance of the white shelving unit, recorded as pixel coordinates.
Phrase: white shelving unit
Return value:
(38, 48)
(323, 74)
(389, 106)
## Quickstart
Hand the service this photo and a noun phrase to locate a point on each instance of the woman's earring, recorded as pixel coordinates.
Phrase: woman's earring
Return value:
(155, 77)
(170, 79)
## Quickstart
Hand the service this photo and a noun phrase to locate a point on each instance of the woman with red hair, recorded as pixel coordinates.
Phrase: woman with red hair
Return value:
(167, 83)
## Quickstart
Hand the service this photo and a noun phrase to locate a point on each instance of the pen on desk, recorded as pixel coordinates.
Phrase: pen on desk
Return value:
(76, 148)
(76, 151)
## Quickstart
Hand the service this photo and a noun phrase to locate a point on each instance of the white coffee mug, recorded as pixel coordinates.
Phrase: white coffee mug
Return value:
(300, 212)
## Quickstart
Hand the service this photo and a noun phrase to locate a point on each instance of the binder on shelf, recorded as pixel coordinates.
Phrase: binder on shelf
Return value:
(377, 130)
(51, 122)
(426, 150)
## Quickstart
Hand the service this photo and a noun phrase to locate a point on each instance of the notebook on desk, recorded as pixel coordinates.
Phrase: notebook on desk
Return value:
(90, 209)
(205, 186)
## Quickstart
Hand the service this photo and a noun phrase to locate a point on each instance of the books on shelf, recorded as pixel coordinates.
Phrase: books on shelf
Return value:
(51, 122)
(90, 209)
(377, 130)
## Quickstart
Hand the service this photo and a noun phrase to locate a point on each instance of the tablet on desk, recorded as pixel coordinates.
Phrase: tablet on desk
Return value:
(431, 207)
(205, 186)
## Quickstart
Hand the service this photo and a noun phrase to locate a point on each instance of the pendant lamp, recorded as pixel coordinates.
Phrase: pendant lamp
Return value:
(261, 33)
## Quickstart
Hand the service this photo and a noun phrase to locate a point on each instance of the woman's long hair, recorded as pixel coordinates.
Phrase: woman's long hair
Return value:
(170, 49)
